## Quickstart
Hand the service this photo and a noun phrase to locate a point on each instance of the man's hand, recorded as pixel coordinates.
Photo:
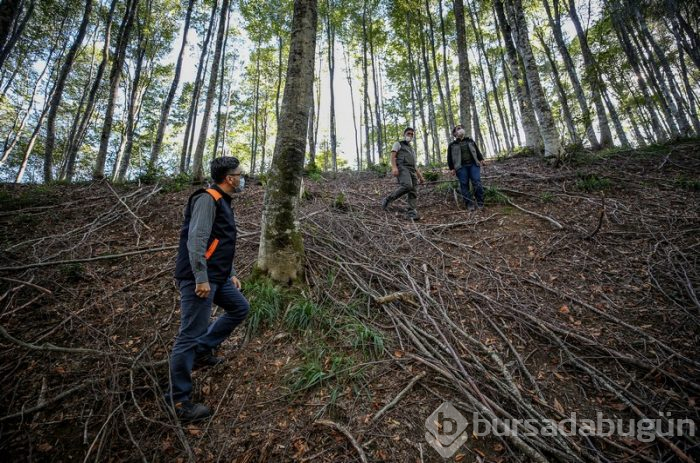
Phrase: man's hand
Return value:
(395, 171)
(202, 290)
(421, 179)
(236, 282)
(452, 172)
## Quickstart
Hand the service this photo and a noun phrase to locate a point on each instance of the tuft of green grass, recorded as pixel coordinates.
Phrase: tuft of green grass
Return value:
(340, 201)
(447, 187)
(546, 197)
(431, 175)
(301, 314)
(380, 169)
(365, 338)
(265, 304)
(492, 195)
(318, 367)
(592, 182)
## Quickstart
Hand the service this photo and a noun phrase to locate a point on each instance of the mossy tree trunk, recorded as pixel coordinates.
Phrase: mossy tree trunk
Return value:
(281, 248)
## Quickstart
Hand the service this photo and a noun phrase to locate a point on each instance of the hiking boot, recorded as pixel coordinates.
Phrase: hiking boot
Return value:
(187, 412)
(206, 359)
(471, 207)
(385, 203)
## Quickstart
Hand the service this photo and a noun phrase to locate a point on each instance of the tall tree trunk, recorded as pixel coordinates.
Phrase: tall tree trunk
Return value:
(377, 109)
(566, 111)
(9, 12)
(263, 145)
(466, 95)
(676, 104)
(555, 25)
(197, 162)
(114, 79)
(222, 78)
(280, 45)
(431, 107)
(445, 72)
(348, 74)
(330, 35)
(416, 80)
(533, 139)
(443, 104)
(76, 140)
(548, 128)
(58, 92)
(281, 251)
(592, 76)
(633, 59)
(121, 165)
(693, 109)
(496, 96)
(16, 24)
(506, 79)
(256, 109)
(192, 115)
(167, 104)
(624, 142)
(365, 83)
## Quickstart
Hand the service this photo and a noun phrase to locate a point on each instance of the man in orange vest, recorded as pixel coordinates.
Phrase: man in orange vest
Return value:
(205, 275)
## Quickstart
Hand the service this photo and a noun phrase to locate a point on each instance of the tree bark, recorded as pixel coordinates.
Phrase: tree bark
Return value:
(197, 162)
(348, 74)
(566, 111)
(365, 84)
(222, 78)
(555, 25)
(533, 139)
(330, 35)
(592, 76)
(9, 42)
(466, 95)
(548, 128)
(377, 110)
(441, 95)
(167, 104)
(192, 115)
(429, 93)
(445, 72)
(114, 79)
(58, 92)
(281, 251)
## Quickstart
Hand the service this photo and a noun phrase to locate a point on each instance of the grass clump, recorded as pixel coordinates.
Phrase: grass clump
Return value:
(431, 175)
(687, 183)
(447, 187)
(266, 301)
(368, 340)
(320, 364)
(592, 182)
(492, 195)
(301, 314)
(546, 197)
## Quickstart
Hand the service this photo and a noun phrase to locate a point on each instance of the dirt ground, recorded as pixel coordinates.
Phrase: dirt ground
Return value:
(574, 290)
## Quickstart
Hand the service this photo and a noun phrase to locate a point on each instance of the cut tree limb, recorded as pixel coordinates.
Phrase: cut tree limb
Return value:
(342, 430)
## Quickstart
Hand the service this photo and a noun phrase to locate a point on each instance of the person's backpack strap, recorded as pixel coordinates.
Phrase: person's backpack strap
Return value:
(214, 194)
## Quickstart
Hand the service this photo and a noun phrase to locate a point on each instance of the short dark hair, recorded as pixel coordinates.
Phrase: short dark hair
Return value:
(223, 166)
(407, 129)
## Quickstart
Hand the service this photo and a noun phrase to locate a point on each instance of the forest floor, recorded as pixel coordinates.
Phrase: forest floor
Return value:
(574, 290)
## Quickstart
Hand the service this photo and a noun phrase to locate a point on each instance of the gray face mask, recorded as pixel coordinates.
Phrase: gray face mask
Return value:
(459, 133)
(241, 184)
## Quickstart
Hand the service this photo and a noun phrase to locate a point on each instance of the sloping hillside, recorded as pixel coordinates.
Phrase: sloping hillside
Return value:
(574, 290)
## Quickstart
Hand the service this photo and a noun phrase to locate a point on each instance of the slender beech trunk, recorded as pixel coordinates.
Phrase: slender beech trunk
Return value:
(281, 251)
(365, 83)
(197, 162)
(377, 110)
(330, 36)
(533, 138)
(566, 111)
(58, 92)
(548, 128)
(194, 103)
(16, 24)
(445, 72)
(466, 95)
(168, 103)
(441, 95)
(429, 94)
(77, 138)
(592, 76)
(114, 79)
(348, 75)
(555, 25)
(222, 94)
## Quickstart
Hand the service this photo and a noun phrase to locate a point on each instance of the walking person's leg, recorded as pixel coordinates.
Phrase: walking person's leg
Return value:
(411, 197)
(194, 319)
(475, 177)
(236, 307)
(463, 176)
(405, 185)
